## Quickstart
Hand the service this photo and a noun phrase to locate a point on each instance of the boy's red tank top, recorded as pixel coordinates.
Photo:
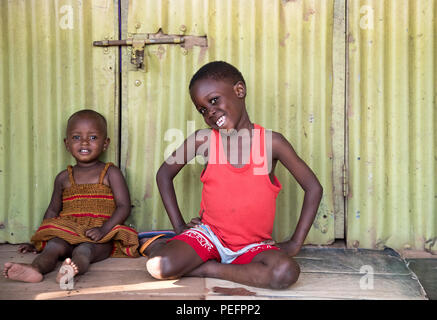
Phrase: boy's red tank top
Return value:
(239, 203)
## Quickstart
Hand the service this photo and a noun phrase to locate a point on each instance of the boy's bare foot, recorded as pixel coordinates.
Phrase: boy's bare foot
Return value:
(22, 272)
(63, 271)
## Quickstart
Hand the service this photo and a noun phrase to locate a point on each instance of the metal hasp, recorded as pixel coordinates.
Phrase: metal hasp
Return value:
(140, 40)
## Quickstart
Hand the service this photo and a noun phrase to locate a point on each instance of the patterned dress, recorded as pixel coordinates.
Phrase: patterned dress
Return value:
(86, 206)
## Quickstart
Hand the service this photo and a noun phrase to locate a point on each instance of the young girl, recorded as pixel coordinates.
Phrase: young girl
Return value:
(231, 239)
(89, 204)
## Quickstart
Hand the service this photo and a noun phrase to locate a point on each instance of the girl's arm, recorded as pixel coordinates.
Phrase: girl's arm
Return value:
(55, 205)
(170, 168)
(284, 152)
(53, 210)
(122, 202)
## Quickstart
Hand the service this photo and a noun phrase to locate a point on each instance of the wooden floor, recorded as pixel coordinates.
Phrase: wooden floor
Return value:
(327, 273)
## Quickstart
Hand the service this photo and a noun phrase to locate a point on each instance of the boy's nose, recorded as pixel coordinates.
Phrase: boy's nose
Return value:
(211, 112)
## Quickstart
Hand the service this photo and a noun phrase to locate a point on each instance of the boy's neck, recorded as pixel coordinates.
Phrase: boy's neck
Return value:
(244, 123)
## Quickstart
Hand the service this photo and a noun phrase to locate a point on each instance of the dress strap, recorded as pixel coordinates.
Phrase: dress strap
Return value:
(103, 173)
(70, 175)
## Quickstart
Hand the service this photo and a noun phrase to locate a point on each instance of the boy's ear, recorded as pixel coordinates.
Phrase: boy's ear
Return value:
(240, 89)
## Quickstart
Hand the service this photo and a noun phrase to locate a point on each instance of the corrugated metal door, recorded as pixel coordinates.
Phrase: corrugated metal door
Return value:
(391, 102)
(305, 79)
(48, 70)
(285, 51)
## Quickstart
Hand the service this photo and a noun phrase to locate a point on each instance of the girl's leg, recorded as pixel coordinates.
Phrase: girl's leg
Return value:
(45, 262)
(269, 269)
(86, 253)
(83, 255)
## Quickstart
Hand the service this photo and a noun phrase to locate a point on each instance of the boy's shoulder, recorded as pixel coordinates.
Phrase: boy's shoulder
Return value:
(202, 135)
(277, 136)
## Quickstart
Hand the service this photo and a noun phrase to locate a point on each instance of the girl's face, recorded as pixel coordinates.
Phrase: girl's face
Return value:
(219, 102)
(86, 139)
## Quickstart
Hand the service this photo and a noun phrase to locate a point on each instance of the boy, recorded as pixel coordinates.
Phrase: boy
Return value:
(232, 238)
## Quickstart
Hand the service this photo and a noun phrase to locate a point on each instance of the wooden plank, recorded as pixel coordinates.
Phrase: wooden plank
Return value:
(326, 274)
(113, 278)
(328, 286)
(339, 260)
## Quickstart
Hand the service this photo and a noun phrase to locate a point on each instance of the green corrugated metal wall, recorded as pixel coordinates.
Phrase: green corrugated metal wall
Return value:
(48, 70)
(392, 124)
(305, 77)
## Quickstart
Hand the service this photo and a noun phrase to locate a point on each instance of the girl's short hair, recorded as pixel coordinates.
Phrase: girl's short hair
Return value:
(217, 70)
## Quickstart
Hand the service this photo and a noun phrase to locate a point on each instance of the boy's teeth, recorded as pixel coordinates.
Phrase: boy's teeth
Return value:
(220, 121)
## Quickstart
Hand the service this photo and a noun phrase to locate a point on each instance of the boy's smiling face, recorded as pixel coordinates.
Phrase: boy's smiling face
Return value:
(219, 102)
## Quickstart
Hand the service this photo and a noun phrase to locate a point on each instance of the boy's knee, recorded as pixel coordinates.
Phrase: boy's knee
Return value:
(284, 274)
(161, 267)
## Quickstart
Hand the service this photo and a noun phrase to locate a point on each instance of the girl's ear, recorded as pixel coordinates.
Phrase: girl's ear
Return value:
(240, 89)
(106, 144)
(66, 144)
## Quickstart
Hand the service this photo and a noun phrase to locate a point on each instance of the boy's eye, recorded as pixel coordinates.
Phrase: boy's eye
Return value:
(202, 110)
(213, 100)
(93, 137)
(76, 137)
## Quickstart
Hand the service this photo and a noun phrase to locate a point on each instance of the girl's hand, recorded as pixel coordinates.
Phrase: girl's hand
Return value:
(95, 234)
(27, 247)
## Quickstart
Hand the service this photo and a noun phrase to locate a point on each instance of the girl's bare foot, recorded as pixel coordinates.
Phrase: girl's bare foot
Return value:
(64, 270)
(22, 272)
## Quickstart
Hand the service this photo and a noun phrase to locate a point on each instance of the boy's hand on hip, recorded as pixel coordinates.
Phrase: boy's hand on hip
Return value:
(194, 222)
(291, 247)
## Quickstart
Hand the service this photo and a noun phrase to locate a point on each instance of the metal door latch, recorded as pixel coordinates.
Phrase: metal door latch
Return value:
(140, 40)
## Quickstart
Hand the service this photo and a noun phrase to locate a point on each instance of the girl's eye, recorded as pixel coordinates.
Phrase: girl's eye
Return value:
(202, 110)
(213, 100)
(76, 137)
(93, 137)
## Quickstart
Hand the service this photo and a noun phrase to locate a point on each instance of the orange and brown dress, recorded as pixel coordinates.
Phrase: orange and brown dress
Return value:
(86, 206)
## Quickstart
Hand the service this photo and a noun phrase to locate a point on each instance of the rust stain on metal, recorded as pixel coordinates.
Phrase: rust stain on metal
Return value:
(308, 14)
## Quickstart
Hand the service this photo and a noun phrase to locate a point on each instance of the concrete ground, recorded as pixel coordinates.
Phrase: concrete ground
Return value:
(327, 273)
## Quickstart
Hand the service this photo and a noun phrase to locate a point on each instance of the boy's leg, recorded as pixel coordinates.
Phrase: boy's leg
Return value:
(269, 269)
(45, 262)
(171, 260)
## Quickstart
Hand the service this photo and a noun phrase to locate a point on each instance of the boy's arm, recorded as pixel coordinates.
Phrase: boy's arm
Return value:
(284, 152)
(122, 202)
(169, 169)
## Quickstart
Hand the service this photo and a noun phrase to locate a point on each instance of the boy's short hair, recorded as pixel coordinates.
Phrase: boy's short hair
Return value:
(217, 70)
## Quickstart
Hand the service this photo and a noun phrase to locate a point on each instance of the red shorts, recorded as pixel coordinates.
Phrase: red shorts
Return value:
(207, 250)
